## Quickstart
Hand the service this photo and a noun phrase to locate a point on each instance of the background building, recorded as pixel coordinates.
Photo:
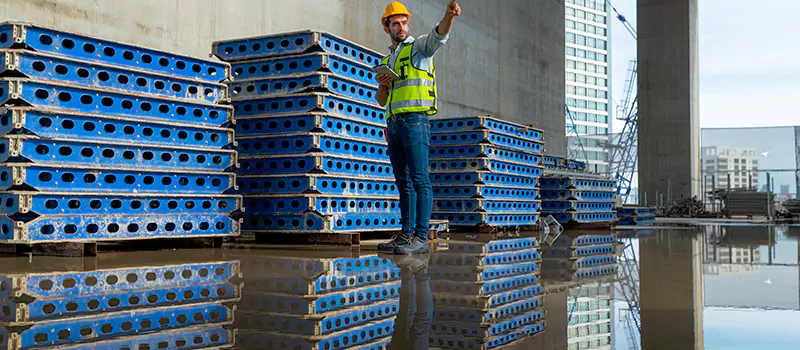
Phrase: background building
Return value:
(591, 322)
(740, 163)
(587, 78)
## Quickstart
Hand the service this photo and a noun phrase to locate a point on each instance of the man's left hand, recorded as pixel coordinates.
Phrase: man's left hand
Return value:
(453, 9)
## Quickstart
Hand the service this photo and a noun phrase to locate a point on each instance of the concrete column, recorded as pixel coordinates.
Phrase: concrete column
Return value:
(669, 121)
(671, 287)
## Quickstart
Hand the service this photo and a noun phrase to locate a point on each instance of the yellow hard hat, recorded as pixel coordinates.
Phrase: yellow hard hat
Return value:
(395, 8)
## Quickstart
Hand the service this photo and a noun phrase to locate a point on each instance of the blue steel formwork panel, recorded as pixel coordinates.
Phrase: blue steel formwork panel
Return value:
(583, 240)
(460, 124)
(318, 325)
(280, 205)
(200, 337)
(321, 286)
(552, 162)
(317, 184)
(113, 155)
(367, 337)
(637, 221)
(243, 90)
(101, 180)
(306, 143)
(470, 138)
(475, 219)
(569, 264)
(489, 315)
(484, 192)
(114, 78)
(460, 342)
(482, 178)
(494, 246)
(106, 228)
(299, 64)
(313, 268)
(315, 222)
(92, 127)
(564, 206)
(117, 204)
(481, 331)
(450, 204)
(484, 288)
(581, 274)
(487, 302)
(45, 94)
(294, 43)
(484, 151)
(586, 184)
(575, 253)
(304, 305)
(637, 211)
(83, 47)
(109, 325)
(304, 103)
(304, 123)
(568, 194)
(482, 274)
(470, 165)
(582, 217)
(486, 260)
(315, 163)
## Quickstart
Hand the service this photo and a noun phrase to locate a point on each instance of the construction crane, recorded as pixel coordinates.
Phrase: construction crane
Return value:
(624, 147)
(575, 151)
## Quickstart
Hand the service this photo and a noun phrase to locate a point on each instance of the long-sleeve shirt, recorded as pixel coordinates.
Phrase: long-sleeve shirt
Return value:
(423, 50)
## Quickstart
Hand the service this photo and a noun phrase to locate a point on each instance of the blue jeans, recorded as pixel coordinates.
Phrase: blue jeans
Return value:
(409, 136)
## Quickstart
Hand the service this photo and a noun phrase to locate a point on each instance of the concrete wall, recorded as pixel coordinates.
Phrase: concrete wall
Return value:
(505, 58)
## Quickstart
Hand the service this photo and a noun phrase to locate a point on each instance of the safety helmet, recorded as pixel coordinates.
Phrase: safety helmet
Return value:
(395, 8)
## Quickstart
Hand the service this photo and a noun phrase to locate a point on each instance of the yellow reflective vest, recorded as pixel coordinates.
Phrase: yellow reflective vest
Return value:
(415, 91)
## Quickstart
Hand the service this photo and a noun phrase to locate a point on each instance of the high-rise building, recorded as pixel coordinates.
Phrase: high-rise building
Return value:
(587, 77)
(591, 320)
(740, 163)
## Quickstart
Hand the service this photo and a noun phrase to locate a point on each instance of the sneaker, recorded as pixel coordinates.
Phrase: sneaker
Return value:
(389, 247)
(414, 246)
(413, 263)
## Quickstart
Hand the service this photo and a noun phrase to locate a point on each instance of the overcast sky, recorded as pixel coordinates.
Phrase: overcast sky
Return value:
(749, 61)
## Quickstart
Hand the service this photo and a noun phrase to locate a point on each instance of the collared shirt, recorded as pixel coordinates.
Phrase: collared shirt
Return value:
(424, 48)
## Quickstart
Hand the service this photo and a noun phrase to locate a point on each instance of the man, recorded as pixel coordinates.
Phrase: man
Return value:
(410, 101)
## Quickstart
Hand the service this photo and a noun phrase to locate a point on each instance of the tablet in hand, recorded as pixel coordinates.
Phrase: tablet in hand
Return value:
(384, 69)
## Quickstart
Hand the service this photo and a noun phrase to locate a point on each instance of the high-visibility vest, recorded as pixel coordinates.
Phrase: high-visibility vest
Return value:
(415, 91)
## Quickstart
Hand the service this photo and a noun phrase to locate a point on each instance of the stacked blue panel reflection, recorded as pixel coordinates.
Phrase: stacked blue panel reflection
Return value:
(484, 171)
(318, 304)
(486, 295)
(101, 140)
(576, 257)
(310, 135)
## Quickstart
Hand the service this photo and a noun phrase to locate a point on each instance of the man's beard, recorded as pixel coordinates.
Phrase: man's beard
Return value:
(396, 37)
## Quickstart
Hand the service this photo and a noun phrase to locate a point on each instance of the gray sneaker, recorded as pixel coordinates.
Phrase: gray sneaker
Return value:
(389, 247)
(412, 263)
(414, 246)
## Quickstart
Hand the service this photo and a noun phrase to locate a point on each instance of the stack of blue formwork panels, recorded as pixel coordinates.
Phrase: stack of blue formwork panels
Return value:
(579, 257)
(172, 306)
(484, 171)
(486, 295)
(313, 303)
(310, 134)
(578, 198)
(636, 216)
(102, 141)
(552, 162)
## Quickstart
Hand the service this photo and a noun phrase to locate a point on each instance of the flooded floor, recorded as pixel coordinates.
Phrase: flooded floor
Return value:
(717, 287)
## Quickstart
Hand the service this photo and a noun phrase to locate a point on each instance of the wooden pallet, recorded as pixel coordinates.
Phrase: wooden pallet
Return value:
(92, 248)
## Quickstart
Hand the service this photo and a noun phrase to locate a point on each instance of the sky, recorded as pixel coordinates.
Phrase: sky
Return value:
(749, 63)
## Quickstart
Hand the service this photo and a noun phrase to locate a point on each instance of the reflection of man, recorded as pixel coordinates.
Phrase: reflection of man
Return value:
(413, 322)
(409, 101)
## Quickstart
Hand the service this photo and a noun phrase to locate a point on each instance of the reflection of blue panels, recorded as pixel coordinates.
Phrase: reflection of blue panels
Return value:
(473, 219)
(103, 204)
(70, 306)
(495, 246)
(320, 286)
(298, 124)
(484, 288)
(314, 222)
(298, 64)
(313, 268)
(301, 305)
(486, 123)
(556, 206)
(318, 325)
(94, 75)
(490, 315)
(315, 163)
(108, 325)
(474, 330)
(323, 205)
(88, 127)
(586, 217)
(83, 47)
(128, 156)
(567, 241)
(482, 178)
(577, 195)
(483, 303)
(460, 342)
(573, 253)
(299, 144)
(94, 282)
(293, 43)
(242, 90)
(485, 274)
(100, 228)
(352, 338)
(473, 151)
(480, 205)
(470, 138)
(327, 185)
(569, 264)
(499, 258)
(200, 337)
(304, 103)
(96, 180)
(73, 99)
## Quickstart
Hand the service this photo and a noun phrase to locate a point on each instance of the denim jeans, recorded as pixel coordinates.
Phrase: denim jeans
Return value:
(409, 136)
(413, 323)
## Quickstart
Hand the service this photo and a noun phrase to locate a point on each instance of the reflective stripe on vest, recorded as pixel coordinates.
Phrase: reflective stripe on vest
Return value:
(415, 91)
